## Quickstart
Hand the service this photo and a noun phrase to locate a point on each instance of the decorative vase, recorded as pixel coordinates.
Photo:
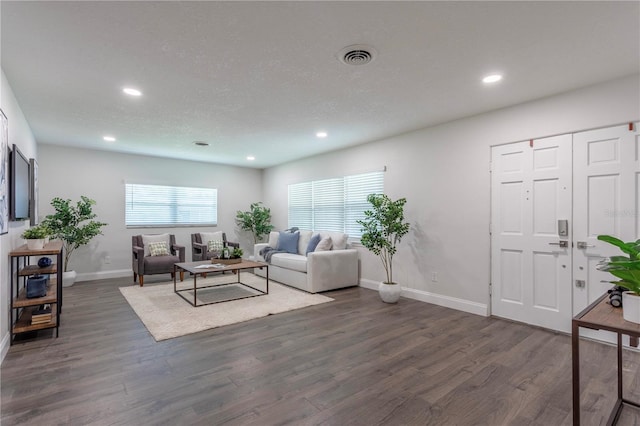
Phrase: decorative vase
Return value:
(68, 278)
(631, 307)
(33, 244)
(389, 293)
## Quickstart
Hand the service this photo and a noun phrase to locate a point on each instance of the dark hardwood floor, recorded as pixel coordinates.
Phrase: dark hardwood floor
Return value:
(354, 361)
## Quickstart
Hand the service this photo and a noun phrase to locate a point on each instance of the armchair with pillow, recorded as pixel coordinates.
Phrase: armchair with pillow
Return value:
(154, 254)
(204, 245)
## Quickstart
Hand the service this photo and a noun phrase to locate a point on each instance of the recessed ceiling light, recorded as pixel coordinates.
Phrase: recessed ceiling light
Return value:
(201, 143)
(109, 138)
(131, 91)
(251, 158)
(321, 134)
(493, 78)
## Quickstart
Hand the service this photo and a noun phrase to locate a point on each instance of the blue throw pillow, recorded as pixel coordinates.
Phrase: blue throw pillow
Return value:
(288, 242)
(313, 243)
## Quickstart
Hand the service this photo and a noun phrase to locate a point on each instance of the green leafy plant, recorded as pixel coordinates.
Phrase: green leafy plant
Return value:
(625, 268)
(37, 232)
(383, 229)
(73, 224)
(256, 220)
(236, 253)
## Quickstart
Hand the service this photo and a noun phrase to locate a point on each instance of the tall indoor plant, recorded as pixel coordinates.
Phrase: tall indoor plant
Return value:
(74, 225)
(256, 220)
(626, 269)
(382, 230)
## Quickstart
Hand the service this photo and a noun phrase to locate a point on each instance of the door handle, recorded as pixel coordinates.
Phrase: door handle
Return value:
(563, 244)
(583, 245)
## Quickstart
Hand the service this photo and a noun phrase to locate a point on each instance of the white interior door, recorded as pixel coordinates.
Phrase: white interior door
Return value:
(606, 201)
(530, 271)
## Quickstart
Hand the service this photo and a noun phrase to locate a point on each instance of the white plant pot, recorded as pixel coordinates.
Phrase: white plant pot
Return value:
(68, 278)
(389, 293)
(35, 244)
(631, 307)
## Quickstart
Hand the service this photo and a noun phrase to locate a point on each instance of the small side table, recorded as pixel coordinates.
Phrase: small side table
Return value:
(600, 315)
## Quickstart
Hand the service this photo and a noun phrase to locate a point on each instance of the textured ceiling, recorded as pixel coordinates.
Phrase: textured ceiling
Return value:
(261, 78)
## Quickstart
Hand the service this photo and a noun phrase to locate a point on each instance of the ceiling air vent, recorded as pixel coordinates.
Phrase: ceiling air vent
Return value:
(357, 54)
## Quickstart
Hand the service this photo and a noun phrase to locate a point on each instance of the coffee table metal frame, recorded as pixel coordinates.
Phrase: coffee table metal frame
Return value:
(235, 267)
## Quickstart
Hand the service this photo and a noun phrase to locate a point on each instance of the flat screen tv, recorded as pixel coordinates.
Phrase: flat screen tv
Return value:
(19, 186)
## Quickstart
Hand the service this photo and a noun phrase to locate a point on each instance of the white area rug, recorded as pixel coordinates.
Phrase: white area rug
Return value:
(167, 315)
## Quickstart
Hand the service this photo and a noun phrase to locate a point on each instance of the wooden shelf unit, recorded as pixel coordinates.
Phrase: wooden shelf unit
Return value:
(23, 307)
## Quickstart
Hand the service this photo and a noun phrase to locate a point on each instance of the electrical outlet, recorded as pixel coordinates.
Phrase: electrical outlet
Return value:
(107, 259)
(434, 277)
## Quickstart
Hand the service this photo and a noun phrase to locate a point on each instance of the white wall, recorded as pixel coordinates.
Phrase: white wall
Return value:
(443, 171)
(69, 173)
(21, 135)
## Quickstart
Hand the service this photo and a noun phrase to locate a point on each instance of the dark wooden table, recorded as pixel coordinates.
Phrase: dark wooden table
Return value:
(192, 267)
(600, 315)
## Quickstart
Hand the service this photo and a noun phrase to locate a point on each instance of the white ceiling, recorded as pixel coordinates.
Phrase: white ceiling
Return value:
(261, 78)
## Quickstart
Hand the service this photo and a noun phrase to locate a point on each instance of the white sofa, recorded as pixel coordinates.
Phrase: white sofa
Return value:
(319, 270)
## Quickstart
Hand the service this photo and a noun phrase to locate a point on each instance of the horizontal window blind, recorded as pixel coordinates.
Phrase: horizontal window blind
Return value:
(333, 204)
(357, 188)
(166, 206)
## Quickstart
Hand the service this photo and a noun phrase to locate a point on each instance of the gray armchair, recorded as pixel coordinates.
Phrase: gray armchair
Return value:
(144, 263)
(200, 248)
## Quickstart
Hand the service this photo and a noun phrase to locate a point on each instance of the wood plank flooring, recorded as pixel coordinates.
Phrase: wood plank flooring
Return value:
(354, 361)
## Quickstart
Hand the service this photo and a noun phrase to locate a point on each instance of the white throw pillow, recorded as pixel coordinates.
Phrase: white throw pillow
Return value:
(338, 239)
(148, 239)
(273, 239)
(303, 241)
(325, 244)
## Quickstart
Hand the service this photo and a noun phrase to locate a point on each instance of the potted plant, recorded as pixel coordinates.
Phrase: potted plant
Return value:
(233, 256)
(256, 220)
(382, 230)
(35, 237)
(627, 269)
(74, 226)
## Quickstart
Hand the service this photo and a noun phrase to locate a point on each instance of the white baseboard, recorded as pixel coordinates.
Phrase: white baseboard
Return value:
(4, 346)
(101, 275)
(437, 299)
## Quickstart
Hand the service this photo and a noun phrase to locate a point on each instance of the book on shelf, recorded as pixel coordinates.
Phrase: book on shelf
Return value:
(41, 314)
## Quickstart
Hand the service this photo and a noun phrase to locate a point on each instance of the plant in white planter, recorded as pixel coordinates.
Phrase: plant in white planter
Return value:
(382, 230)
(74, 225)
(627, 269)
(35, 237)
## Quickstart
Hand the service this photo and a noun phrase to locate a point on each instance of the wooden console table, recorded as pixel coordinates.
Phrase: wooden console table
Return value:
(600, 315)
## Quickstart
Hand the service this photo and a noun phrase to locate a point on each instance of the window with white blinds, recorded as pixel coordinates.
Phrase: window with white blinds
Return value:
(169, 206)
(333, 204)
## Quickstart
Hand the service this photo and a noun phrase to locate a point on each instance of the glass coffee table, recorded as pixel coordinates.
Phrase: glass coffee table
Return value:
(227, 291)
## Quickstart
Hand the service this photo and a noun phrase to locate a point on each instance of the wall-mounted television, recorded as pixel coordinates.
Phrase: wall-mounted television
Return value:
(19, 186)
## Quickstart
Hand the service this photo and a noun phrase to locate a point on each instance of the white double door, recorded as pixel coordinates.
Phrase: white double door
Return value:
(550, 199)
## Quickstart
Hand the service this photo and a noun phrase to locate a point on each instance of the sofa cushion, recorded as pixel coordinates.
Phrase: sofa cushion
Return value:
(303, 241)
(215, 245)
(338, 239)
(295, 262)
(148, 239)
(273, 239)
(158, 248)
(288, 242)
(210, 236)
(313, 243)
(325, 244)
